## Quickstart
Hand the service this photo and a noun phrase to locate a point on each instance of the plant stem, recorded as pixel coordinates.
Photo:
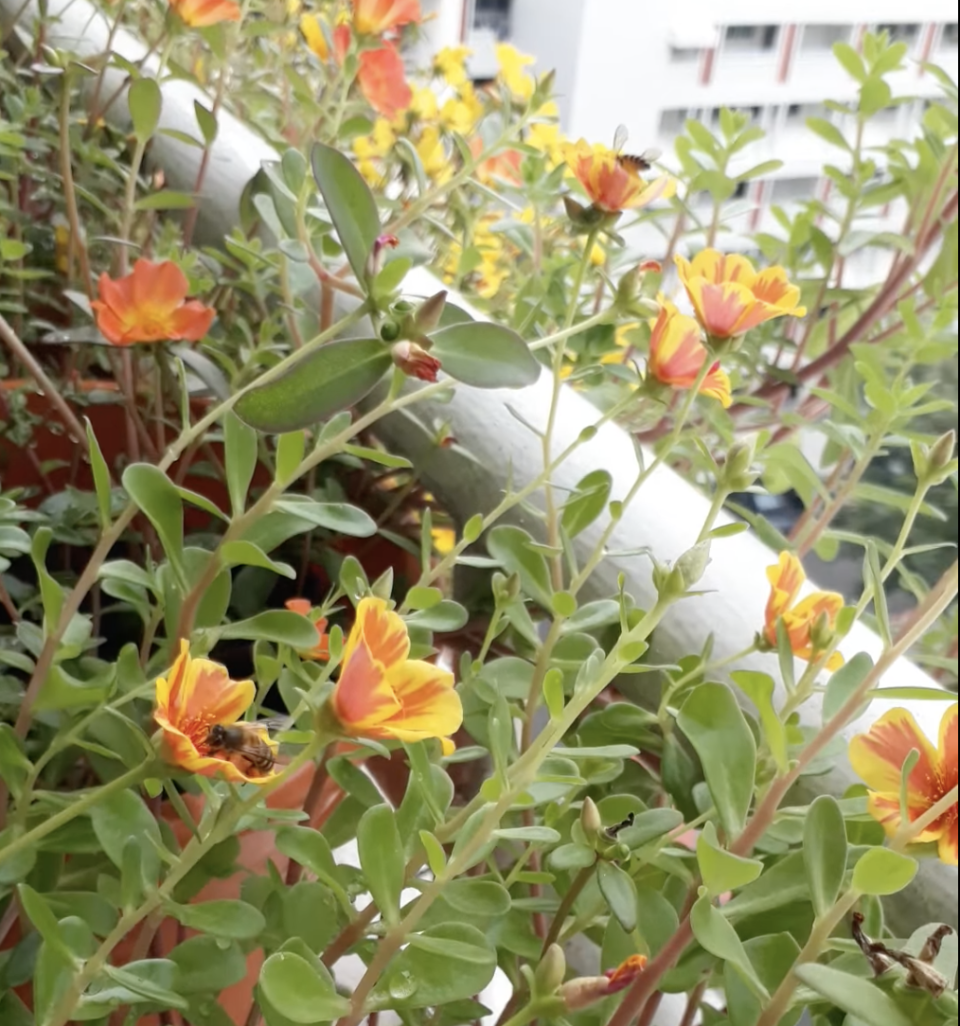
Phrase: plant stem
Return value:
(76, 241)
(78, 806)
(573, 892)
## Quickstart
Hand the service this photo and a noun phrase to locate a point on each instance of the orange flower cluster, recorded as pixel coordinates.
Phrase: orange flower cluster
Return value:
(677, 355)
(204, 13)
(150, 305)
(878, 758)
(798, 618)
(196, 695)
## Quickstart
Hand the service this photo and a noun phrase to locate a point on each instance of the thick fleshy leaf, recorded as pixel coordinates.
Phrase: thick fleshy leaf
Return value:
(715, 726)
(382, 859)
(587, 502)
(824, 851)
(233, 920)
(759, 688)
(340, 517)
(716, 935)
(302, 991)
(883, 871)
(334, 377)
(619, 892)
(858, 997)
(158, 497)
(513, 547)
(277, 625)
(720, 869)
(240, 444)
(485, 355)
(350, 204)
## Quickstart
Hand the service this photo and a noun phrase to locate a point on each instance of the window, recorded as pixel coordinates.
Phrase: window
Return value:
(820, 38)
(672, 121)
(684, 54)
(949, 38)
(797, 113)
(493, 15)
(901, 33)
(750, 38)
(754, 114)
(794, 190)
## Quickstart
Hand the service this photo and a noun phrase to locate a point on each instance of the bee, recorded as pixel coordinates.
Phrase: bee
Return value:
(248, 740)
(630, 161)
(612, 831)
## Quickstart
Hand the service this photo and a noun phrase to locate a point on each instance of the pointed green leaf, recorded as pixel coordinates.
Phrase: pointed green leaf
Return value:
(485, 355)
(512, 547)
(240, 460)
(290, 450)
(277, 625)
(858, 997)
(619, 892)
(101, 475)
(145, 102)
(588, 501)
(759, 688)
(158, 498)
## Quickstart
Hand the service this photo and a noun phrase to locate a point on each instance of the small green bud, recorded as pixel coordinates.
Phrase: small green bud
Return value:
(822, 633)
(737, 474)
(427, 317)
(940, 461)
(590, 819)
(390, 331)
(692, 564)
(550, 972)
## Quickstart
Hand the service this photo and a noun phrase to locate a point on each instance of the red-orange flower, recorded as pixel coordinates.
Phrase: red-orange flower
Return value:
(587, 990)
(731, 298)
(150, 305)
(196, 695)
(202, 13)
(878, 757)
(374, 17)
(611, 185)
(415, 361)
(677, 356)
(503, 166)
(382, 81)
(786, 579)
(384, 694)
(322, 648)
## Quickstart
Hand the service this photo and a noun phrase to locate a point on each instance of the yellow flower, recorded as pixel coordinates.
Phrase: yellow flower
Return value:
(444, 539)
(598, 256)
(433, 154)
(512, 63)
(311, 25)
(460, 114)
(450, 64)
(611, 185)
(786, 579)
(424, 104)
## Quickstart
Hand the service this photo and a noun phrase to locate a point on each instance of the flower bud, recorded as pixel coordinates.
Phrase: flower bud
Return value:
(590, 820)
(415, 361)
(737, 474)
(378, 254)
(550, 972)
(822, 634)
(390, 331)
(940, 458)
(692, 563)
(668, 582)
(583, 992)
(427, 317)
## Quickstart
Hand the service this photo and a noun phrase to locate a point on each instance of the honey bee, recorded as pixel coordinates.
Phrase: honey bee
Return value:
(248, 740)
(643, 162)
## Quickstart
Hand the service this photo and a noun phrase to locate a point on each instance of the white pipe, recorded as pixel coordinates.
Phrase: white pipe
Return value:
(666, 517)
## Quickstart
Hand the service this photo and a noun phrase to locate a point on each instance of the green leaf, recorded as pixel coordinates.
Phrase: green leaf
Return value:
(854, 995)
(875, 94)
(512, 547)
(309, 912)
(824, 851)
(165, 199)
(436, 856)
(477, 897)
(913, 757)
(350, 204)
(334, 377)
(240, 460)
(721, 870)
(310, 848)
(120, 818)
(244, 553)
(277, 625)
(883, 871)
(649, 825)
(385, 459)
(713, 723)
(206, 121)
(829, 132)
(145, 102)
(299, 990)
(228, 918)
(158, 498)
(101, 475)
(207, 965)
(873, 578)
(530, 834)
(44, 921)
(844, 683)
(851, 61)
(290, 450)
(760, 688)
(51, 593)
(715, 934)
(446, 963)
(443, 616)
(485, 355)
(339, 517)
(619, 892)
(381, 859)
(588, 501)
(146, 980)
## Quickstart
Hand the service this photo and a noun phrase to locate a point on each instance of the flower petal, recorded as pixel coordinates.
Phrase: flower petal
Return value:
(362, 697)
(429, 703)
(878, 756)
(192, 321)
(947, 749)
(786, 579)
(947, 848)
(383, 631)
(160, 286)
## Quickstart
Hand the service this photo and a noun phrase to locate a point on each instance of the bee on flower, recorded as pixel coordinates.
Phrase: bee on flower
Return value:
(613, 185)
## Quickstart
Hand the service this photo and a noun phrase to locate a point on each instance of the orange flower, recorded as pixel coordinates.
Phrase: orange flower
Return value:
(612, 186)
(415, 361)
(587, 990)
(677, 355)
(374, 17)
(503, 166)
(786, 579)
(731, 298)
(322, 648)
(878, 757)
(202, 13)
(196, 695)
(383, 82)
(149, 305)
(383, 694)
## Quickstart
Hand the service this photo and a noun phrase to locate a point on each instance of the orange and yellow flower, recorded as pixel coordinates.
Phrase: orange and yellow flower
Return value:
(612, 186)
(383, 82)
(799, 618)
(501, 167)
(374, 17)
(203, 13)
(584, 991)
(311, 27)
(677, 355)
(322, 648)
(381, 693)
(196, 695)
(878, 757)
(150, 305)
(731, 298)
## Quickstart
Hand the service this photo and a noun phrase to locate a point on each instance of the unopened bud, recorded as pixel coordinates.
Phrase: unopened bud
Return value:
(940, 461)
(428, 315)
(415, 361)
(668, 582)
(575, 211)
(627, 288)
(550, 972)
(822, 634)
(378, 254)
(737, 474)
(590, 819)
(390, 331)
(693, 562)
